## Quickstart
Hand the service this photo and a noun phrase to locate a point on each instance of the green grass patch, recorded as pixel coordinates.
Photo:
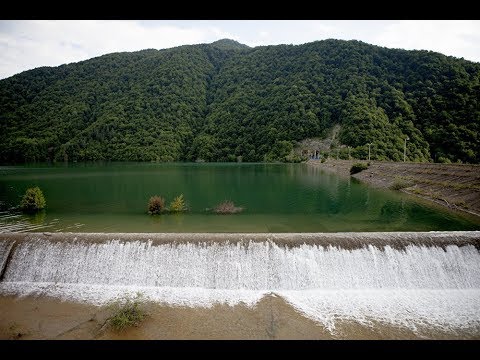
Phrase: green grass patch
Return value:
(400, 183)
(126, 312)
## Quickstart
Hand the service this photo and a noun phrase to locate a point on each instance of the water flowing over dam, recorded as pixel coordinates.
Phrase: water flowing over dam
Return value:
(426, 279)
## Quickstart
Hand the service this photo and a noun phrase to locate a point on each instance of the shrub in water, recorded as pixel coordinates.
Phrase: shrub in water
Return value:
(33, 200)
(178, 204)
(356, 168)
(156, 205)
(227, 207)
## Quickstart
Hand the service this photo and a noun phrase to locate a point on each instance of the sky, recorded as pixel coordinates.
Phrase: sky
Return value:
(27, 44)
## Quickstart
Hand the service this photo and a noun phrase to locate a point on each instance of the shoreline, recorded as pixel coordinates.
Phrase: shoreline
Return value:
(452, 186)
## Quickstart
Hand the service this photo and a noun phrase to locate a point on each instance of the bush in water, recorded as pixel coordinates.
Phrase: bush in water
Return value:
(178, 204)
(33, 200)
(227, 207)
(156, 205)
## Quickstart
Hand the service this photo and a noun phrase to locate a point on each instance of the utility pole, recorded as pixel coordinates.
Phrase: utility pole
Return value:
(405, 149)
(369, 151)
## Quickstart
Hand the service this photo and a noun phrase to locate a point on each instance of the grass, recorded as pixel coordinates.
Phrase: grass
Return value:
(356, 168)
(461, 203)
(15, 332)
(449, 184)
(400, 183)
(417, 191)
(227, 207)
(127, 312)
(431, 194)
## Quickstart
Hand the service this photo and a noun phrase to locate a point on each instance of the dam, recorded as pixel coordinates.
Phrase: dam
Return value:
(416, 280)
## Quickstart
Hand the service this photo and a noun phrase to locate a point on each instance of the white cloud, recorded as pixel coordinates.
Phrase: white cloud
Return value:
(264, 34)
(458, 38)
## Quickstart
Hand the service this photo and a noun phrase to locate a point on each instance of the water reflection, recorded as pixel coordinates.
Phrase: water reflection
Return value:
(37, 219)
(276, 197)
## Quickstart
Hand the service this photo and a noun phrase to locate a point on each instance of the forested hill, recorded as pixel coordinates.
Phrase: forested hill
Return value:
(223, 100)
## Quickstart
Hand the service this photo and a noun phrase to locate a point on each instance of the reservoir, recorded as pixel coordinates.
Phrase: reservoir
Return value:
(112, 197)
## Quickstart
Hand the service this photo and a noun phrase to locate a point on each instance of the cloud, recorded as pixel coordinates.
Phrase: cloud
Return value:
(264, 34)
(458, 38)
(29, 44)
(275, 32)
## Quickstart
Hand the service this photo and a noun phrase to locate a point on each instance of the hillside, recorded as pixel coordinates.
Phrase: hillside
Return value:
(223, 100)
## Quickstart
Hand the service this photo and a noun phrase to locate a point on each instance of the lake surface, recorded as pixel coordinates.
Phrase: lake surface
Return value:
(113, 197)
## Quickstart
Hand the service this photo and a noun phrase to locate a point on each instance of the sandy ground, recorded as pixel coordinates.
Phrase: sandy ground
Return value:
(271, 318)
(455, 186)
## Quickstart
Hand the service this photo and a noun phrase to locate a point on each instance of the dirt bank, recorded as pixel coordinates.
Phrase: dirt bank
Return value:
(271, 318)
(455, 186)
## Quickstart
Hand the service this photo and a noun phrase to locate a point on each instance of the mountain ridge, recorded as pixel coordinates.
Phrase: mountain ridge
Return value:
(225, 100)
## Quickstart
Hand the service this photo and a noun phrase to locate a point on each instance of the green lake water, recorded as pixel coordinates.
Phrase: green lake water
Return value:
(113, 197)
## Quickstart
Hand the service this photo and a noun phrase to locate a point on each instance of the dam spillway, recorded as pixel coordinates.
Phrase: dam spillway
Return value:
(249, 265)
(404, 279)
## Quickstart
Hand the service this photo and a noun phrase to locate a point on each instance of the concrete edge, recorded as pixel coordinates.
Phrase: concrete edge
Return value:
(340, 239)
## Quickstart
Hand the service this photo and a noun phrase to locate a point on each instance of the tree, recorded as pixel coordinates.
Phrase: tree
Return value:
(33, 200)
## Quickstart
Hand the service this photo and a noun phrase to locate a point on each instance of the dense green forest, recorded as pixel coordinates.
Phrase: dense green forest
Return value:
(224, 100)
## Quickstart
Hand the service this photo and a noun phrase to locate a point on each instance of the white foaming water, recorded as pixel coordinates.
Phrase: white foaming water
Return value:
(404, 287)
(254, 266)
